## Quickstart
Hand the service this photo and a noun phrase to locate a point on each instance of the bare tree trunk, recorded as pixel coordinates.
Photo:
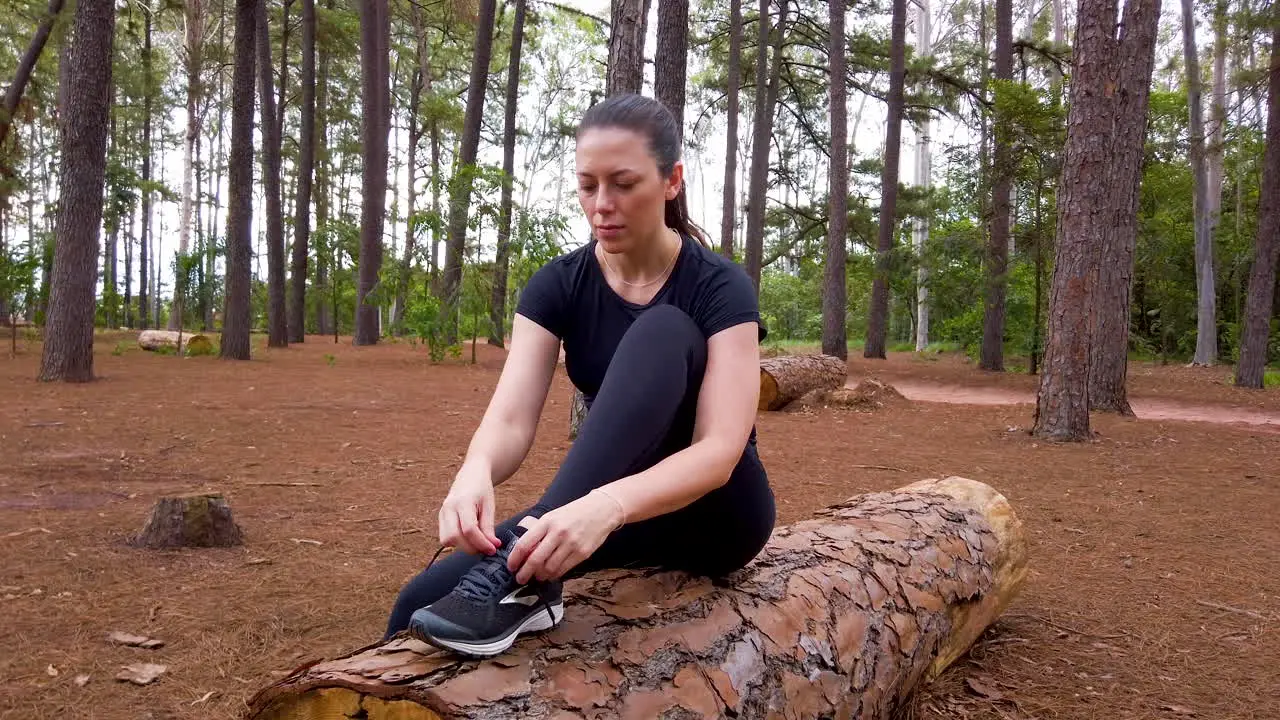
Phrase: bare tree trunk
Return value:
(762, 134)
(68, 345)
(193, 47)
(375, 34)
(306, 168)
(324, 187)
(460, 193)
(26, 64)
(498, 301)
(733, 86)
(435, 201)
(1266, 249)
(878, 316)
(1206, 325)
(924, 170)
(997, 265)
(277, 323)
(670, 59)
(236, 315)
(835, 291)
(1098, 189)
(628, 23)
(145, 287)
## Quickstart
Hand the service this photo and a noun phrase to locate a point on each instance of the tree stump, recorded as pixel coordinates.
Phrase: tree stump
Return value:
(192, 343)
(842, 615)
(786, 378)
(198, 520)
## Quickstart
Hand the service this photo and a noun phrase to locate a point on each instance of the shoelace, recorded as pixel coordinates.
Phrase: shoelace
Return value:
(468, 581)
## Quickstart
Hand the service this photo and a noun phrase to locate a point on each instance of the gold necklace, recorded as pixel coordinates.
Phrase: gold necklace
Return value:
(605, 256)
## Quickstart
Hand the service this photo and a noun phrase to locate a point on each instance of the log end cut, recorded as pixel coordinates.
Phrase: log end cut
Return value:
(197, 520)
(192, 343)
(842, 615)
(786, 378)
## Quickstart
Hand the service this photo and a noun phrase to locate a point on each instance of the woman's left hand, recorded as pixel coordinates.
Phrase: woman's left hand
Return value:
(555, 543)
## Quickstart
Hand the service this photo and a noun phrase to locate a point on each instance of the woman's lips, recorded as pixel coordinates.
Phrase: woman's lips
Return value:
(608, 232)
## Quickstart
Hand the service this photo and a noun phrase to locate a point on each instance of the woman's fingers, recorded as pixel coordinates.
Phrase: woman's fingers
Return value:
(525, 546)
(486, 520)
(537, 561)
(448, 520)
(564, 559)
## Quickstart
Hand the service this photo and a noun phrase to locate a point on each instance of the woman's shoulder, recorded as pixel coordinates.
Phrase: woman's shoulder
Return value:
(714, 270)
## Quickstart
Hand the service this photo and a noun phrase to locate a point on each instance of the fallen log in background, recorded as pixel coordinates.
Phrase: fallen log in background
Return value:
(842, 615)
(786, 378)
(192, 343)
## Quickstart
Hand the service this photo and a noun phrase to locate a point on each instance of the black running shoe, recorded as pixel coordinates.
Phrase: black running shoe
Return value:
(488, 609)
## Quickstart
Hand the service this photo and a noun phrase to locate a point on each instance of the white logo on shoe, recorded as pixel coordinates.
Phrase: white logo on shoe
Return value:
(514, 597)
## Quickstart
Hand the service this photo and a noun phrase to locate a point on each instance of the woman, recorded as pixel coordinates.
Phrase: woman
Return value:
(662, 336)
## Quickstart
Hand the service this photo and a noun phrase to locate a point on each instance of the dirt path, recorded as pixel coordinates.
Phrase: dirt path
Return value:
(1144, 408)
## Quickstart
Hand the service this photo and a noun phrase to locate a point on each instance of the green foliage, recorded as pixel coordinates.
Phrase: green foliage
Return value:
(425, 320)
(17, 279)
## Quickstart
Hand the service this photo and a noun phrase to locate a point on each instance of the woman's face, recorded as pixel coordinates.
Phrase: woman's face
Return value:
(620, 188)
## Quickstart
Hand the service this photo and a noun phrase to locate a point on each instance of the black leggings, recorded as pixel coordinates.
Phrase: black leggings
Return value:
(643, 413)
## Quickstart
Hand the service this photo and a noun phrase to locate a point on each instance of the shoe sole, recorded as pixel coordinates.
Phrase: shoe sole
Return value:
(536, 622)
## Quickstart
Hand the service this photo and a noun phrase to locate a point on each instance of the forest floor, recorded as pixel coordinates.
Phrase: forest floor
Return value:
(1153, 590)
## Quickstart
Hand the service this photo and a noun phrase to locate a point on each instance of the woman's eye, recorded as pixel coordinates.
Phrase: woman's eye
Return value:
(586, 188)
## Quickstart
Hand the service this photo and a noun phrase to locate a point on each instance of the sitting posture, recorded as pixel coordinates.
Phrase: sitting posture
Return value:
(662, 337)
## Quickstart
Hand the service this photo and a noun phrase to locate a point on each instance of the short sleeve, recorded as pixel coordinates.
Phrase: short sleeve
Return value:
(545, 298)
(728, 299)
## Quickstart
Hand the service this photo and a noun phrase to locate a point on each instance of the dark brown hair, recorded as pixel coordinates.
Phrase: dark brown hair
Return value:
(659, 126)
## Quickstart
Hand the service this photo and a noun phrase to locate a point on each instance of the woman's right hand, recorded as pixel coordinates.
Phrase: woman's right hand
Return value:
(466, 515)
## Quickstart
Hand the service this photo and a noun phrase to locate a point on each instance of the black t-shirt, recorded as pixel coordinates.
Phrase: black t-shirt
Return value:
(570, 297)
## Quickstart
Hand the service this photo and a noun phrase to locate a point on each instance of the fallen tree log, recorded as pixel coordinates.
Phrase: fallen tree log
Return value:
(192, 343)
(842, 615)
(786, 378)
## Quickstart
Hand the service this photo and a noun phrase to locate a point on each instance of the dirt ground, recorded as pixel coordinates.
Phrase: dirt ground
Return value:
(1153, 591)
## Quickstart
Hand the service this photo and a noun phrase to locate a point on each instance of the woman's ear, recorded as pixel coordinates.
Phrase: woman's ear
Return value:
(674, 181)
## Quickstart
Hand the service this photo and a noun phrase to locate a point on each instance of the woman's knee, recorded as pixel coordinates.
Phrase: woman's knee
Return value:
(666, 330)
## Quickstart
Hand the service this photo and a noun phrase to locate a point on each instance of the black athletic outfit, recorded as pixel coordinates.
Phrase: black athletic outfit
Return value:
(640, 368)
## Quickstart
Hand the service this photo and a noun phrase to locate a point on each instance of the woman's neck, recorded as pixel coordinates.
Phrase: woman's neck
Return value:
(647, 262)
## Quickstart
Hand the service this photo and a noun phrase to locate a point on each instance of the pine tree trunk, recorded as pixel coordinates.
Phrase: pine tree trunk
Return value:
(728, 212)
(193, 48)
(236, 314)
(277, 323)
(306, 168)
(435, 202)
(145, 283)
(997, 265)
(835, 277)
(878, 315)
(68, 344)
(1097, 190)
(924, 170)
(628, 23)
(841, 616)
(762, 134)
(1133, 61)
(460, 193)
(498, 301)
(670, 58)
(1266, 249)
(375, 32)
(1206, 292)
(324, 187)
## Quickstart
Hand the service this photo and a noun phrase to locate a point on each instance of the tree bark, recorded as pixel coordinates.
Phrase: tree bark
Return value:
(460, 194)
(498, 301)
(1132, 60)
(733, 85)
(924, 170)
(787, 378)
(277, 323)
(146, 284)
(878, 315)
(1251, 369)
(420, 78)
(840, 616)
(1206, 292)
(670, 59)
(375, 34)
(306, 167)
(628, 22)
(762, 134)
(68, 344)
(1097, 191)
(324, 318)
(236, 313)
(26, 64)
(835, 278)
(997, 265)
(193, 48)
